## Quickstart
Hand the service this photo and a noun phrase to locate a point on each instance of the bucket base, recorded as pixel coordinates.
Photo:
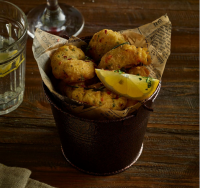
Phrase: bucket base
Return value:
(104, 174)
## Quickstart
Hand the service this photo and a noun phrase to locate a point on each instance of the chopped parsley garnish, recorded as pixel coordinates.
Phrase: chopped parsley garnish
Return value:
(88, 48)
(120, 45)
(148, 81)
(119, 71)
(72, 86)
(149, 84)
(95, 89)
(87, 58)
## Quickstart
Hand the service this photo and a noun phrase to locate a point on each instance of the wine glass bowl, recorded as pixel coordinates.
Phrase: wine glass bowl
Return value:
(58, 19)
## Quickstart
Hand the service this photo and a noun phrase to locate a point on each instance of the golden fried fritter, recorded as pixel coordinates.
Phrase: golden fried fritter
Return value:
(103, 41)
(101, 98)
(124, 56)
(69, 65)
(66, 53)
(71, 71)
(139, 70)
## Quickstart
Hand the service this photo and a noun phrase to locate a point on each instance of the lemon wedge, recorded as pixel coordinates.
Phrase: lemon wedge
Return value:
(4, 56)
(128, 85)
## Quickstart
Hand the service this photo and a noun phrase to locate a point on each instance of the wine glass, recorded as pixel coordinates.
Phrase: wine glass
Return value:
(58, 19)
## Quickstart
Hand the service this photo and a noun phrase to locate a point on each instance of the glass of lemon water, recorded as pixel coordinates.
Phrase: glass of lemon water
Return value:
(13, 37)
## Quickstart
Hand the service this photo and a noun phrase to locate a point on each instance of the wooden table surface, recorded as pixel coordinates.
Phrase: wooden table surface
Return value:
(170, 158)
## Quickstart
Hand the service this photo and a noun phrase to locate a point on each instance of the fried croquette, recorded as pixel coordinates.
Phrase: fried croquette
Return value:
(94, 97)
(68, 64)
(103, 41)
(74, 70)
(67, 52)
(139, 70)
(124, 56)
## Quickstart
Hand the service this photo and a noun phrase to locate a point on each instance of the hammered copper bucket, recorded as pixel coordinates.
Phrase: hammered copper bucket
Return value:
(101, 147)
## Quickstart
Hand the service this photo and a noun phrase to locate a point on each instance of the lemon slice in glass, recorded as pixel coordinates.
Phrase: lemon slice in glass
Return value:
(128, 85)
(4, 56)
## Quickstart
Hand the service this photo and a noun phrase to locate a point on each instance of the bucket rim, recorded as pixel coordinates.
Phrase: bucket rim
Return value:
(49, 98)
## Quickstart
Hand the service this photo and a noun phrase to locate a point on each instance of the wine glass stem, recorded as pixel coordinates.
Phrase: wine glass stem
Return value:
(52, 4)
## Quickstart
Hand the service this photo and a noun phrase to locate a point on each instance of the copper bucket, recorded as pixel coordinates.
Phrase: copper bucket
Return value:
(101, 147)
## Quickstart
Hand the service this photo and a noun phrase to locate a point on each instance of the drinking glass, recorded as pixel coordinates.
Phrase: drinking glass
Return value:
(58, 19)
(13, 37)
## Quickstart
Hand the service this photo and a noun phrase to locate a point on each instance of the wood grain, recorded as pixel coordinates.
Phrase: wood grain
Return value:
(170, 157)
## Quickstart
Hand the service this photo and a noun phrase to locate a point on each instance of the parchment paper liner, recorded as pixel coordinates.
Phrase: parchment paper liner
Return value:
(155, 36)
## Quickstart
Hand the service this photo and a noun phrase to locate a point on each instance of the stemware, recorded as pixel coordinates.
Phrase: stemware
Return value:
(59, 19)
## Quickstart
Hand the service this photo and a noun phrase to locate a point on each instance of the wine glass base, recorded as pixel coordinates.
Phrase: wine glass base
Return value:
(72, 26)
